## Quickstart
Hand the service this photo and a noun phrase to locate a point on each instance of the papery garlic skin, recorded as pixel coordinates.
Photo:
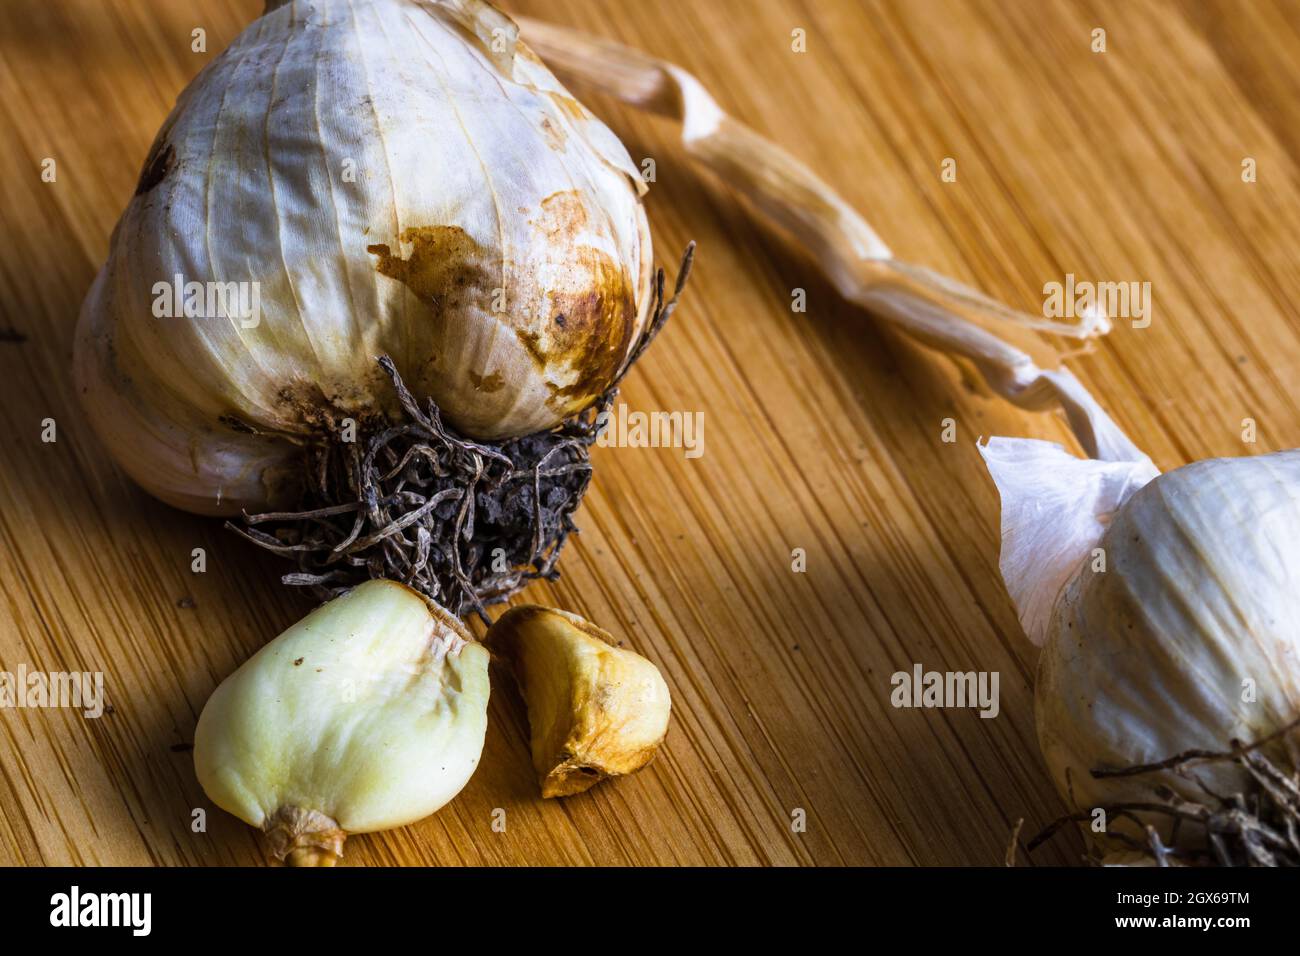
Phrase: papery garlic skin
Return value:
(370, 714)
(396, 177)
(594, 710)
(1190, 638)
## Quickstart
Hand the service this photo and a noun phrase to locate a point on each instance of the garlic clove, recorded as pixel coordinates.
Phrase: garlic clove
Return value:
(366, 715)
(594, 710)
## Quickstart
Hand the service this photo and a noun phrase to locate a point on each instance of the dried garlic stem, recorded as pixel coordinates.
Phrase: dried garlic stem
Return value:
(933, 309)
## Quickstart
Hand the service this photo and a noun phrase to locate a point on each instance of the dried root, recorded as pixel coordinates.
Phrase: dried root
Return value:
(465, 523)
(1259, 827)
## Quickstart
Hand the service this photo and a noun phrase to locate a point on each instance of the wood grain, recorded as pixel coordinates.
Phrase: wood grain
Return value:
(821, 432)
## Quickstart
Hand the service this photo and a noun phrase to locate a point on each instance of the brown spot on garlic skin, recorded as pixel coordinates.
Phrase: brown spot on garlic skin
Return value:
(555, 137)
(577, 334)
(160, 162)
(523, 52)
(487, 383)
(446, 266)
(306, 406)
(589, 328)
(569, 106)
(532, 343)
(564, 216)
(590, 331)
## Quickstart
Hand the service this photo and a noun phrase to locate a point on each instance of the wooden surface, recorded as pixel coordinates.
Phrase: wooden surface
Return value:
(821, 432)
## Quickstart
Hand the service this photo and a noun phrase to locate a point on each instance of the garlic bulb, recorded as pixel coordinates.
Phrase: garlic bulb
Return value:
(399, 177)
(1178, 625)
(366, 715)
(594, 710)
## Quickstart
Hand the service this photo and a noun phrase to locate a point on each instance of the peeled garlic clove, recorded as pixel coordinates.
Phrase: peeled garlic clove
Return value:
(368, 714)
(594, 710)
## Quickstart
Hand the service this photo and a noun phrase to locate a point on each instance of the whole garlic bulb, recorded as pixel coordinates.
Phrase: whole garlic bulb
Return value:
(1189, 638)
(1167, 608)
(366, 715)
(399, 177)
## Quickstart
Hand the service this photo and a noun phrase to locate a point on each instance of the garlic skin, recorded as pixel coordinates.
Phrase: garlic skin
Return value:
(1198, 607)
(368, 714)
(398, 177)
(594, 710)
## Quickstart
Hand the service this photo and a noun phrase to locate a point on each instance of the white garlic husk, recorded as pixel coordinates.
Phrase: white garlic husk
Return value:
(1167, 608)
(368, 714)
(399, 177)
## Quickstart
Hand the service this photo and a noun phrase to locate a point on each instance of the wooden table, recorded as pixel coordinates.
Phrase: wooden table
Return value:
(821, 432)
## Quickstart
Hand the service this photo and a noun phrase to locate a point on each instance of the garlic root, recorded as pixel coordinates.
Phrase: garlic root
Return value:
(594, 710)
(366, 715)
(506, 481)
